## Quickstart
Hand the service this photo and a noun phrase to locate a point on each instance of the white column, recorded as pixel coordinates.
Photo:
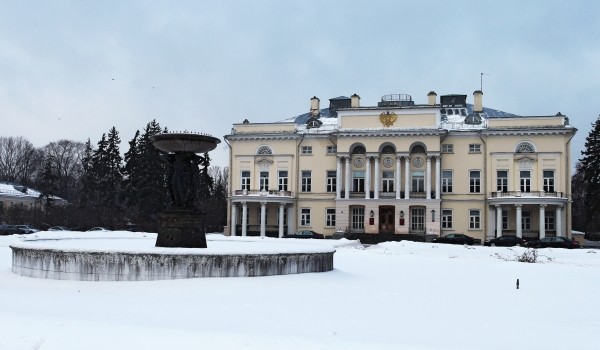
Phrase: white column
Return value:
(407, 177)
(281, 209)
(558, 221)
(263, 214)
(338, 179)
(291, 220)
(233, 219)
(498, 220)
(368, 177)
(438, 177)
(244, 218)
(542, 221)
(347, 189)
(428, 180)
(376, 178)
(519, 222)
(397, 177)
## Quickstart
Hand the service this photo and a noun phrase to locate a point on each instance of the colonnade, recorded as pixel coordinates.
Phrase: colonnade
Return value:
(263, 218)
(519, 219)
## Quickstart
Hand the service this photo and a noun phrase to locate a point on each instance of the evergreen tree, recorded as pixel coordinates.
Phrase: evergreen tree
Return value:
(130, 171)
(86, 181)
(48, 183)
(113, 179)
(98, 172)
(590, 168)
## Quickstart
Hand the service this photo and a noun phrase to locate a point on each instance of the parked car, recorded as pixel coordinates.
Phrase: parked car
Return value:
(58, 228)
(505, 241)
(305, 234)
(27, 229)
(10, 230)
(455, 238)
(554, 242)
(98, 229)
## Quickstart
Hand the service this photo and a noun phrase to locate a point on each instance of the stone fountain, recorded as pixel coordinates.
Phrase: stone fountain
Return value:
(182, 224)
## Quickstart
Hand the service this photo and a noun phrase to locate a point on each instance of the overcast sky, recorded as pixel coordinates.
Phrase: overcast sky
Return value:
(73, 69)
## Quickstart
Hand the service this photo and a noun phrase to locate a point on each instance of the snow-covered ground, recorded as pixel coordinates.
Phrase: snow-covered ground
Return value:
(401, 295)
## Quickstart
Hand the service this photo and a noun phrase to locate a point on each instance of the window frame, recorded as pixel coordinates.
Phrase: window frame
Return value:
(448, 148)
(474, 219)
(245, 181)
(282, 181)
(330, 217)
(474, 148)
(447, 182)
(331, 181)
(305, 217)
(306, 181)
(306, 150)
(474, 182)
(447, 219)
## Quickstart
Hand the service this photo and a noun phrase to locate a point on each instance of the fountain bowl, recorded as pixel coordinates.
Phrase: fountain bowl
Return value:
(185, 142)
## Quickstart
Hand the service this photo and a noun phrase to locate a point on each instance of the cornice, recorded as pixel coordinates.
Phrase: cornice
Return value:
(251, 137)
(527, 132)
(392, 133)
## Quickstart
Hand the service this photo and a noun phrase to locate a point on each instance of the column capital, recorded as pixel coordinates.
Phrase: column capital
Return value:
(282, 204)
(543, 205)
(518, 206)
(498, 206)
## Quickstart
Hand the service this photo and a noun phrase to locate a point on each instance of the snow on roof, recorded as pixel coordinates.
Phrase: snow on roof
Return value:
(18, 190)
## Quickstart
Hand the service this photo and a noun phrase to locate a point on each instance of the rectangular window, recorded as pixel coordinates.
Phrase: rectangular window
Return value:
(358, 181)
(446, 218)
(447, 181)
(525, 180)
(245, 180)
(474, 181)
(474, 219)
(505, 219)
(330, 217)
(526, 220)
(306, 181)
(305, 217)
(474, 148)
(264, 180)
(549, 222)
(306, 149)
(387, 181)
(549, 181)
(448, 148)
(331, 180)
(502, 181)
(331, 149)
(418, 181)
(358, 218)
(283, 180)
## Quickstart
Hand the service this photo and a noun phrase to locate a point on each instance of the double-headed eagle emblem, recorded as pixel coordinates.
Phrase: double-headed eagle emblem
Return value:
(387, 118)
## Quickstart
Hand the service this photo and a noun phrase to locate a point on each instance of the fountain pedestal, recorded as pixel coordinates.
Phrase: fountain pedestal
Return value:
(181, 229)
(182, 225)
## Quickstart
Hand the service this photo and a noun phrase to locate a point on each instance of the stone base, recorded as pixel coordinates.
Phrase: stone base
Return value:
(181, 229)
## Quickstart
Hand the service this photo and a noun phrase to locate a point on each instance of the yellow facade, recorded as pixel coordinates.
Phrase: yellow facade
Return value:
(401, 168)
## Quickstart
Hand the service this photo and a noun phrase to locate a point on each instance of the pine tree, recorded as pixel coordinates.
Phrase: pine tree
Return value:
(590, 167)
(86, 182)
(130, 171)
(48, 182)
(114, 177)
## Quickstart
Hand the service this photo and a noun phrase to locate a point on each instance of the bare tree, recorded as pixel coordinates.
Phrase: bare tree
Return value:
(66, 156)
(19, 160)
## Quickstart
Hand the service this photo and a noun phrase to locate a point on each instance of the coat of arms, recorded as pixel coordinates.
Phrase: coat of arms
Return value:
(387, 118)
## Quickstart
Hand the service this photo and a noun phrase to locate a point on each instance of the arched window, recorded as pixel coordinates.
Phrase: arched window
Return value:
(525, 147)
(264, 150)
(418, 149)
(359, 150)
(388, 150)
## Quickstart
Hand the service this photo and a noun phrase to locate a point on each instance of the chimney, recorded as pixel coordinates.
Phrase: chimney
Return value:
(314, 106)
(355, 101)
(478, 101)
(431, 97)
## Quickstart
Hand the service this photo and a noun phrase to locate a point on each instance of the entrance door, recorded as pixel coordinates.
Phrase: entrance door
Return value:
(386, 219)
(417, 220)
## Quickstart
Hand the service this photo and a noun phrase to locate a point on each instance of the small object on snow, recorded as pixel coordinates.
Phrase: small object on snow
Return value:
(517, 283)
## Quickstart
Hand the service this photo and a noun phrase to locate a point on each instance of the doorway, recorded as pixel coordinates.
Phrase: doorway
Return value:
(417, 220)
(386, 219)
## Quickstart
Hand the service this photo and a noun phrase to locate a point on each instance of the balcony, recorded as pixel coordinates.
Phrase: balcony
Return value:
(527, 194)
(262, 193)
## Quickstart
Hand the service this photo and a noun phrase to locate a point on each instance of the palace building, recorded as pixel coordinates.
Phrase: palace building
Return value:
(401, 168)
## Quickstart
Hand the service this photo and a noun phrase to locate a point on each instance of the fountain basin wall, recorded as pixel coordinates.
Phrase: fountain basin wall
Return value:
(173, 263)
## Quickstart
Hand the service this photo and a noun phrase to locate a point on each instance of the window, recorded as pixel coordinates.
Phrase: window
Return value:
(447, 181)
(502, 181)
(306, 181)
(305, 217)
(505, 219)
(474, 181)
(548, 180)
(526, 220)
(264, 180)
(525, 147)
(331, 149)
(474, 219)
(549, 221)
(264, 150)
(418, 181)
(448, 148)
(474, 148)
(306, 149)
(388, 181)
(358, 181)
(283, 180)
(358, 218)
(330, 217)
(245, 180)
(446, 218)
(331, 180)
(525, 180)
